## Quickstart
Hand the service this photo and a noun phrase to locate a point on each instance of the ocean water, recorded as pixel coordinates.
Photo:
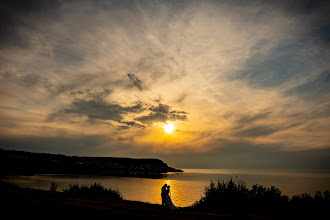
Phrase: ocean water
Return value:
(187, 187)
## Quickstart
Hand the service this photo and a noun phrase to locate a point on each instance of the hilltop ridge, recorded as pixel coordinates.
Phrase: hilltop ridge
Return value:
(12, 161)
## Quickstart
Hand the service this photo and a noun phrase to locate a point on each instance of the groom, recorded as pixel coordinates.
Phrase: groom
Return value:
(164, 193)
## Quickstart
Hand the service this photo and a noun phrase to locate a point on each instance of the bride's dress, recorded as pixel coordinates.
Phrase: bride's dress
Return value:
(169, 203)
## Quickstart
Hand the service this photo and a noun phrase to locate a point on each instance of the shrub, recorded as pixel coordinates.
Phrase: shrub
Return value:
(229, 195)
(53, 186)
(234, 196)
(93, 189)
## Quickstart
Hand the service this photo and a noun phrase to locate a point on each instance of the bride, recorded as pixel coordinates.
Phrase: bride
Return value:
(168, 201)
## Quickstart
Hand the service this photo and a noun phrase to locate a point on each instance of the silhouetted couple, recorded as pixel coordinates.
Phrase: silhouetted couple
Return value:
(166, 199)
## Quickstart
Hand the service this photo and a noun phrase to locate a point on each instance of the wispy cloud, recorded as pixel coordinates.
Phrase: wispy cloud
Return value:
(136, 82)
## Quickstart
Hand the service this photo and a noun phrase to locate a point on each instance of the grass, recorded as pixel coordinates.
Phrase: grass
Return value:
(234, 196)
(93, 189)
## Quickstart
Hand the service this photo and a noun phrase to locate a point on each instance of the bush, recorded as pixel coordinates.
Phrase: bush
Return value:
(53, 186)
(234, 196)
(93, 189)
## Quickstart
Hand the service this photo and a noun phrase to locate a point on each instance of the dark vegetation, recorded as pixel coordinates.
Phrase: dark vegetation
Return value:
(24, 203)
(233, 196)
(53, 186)
(21, 162)
(222, 200)
(95, 189)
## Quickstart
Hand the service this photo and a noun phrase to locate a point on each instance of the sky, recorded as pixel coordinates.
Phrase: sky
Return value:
(246, 84)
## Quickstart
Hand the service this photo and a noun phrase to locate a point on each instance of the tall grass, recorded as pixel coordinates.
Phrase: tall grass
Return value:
(234, 196)
(93, 189)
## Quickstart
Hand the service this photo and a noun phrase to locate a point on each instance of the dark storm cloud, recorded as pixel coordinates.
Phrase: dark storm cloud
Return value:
(135, 80)
(162, 113)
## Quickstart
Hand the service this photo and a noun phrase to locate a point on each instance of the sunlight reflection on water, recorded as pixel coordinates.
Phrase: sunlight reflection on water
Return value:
(187, 187)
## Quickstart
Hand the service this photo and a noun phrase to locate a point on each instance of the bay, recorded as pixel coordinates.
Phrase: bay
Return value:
(187, 187)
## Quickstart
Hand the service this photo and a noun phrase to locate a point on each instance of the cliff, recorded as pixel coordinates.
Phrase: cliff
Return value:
(41, 163)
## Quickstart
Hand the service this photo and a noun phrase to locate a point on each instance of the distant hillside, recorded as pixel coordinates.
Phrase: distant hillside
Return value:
(21, 162)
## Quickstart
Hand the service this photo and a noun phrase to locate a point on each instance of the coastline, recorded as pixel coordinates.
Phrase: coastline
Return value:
(28, 163)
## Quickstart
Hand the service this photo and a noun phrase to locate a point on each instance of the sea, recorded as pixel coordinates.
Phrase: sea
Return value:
(187, 187)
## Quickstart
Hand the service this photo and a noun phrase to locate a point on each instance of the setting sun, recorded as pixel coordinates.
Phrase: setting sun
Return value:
(169, 127)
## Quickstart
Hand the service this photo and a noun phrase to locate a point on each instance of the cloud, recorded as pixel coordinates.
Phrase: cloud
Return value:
(226, 153)
(99, 109)
(247, 119)
(182, 98)
(162, 113)
(93, 105)
(133, 124)
(135, 80)
(261, 77)
(314, 89)
(81, 145)
(26, 79)
(256, 131)
(96, 94)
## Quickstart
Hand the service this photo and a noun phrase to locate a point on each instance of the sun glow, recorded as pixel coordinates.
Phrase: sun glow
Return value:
(169, 127)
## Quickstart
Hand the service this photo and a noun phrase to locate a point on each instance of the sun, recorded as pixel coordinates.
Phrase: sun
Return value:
(169, 128)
